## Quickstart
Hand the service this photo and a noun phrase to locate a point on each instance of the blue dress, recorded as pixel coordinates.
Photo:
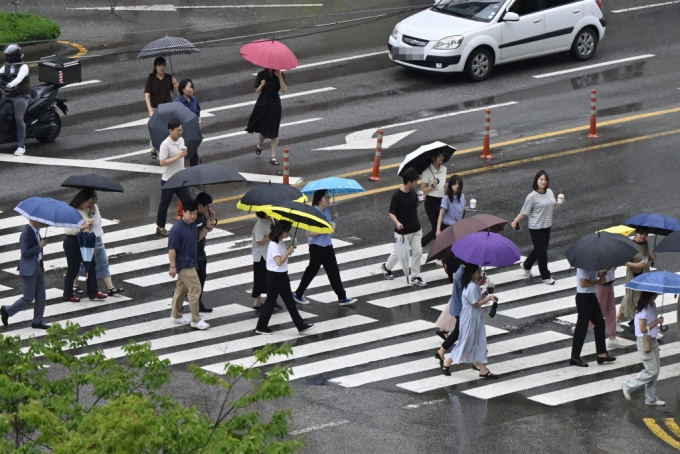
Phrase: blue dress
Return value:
(471, 346)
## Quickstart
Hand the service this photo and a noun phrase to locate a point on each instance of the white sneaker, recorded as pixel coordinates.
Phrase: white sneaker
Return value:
(550, 281)
(656, 403)
(180, 320)
(659, 336)
(20, 151)
(526, 272)
(626, 394)
(201, 324)
(619, 328)
(573, 330)
(611, 345)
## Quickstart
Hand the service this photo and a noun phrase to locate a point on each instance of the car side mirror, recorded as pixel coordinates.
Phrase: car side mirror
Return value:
(511, 17)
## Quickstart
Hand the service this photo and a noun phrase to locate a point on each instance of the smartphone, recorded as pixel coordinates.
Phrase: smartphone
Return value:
(517, 226)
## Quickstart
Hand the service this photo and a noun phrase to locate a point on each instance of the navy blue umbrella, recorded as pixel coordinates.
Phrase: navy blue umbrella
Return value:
(657, 224)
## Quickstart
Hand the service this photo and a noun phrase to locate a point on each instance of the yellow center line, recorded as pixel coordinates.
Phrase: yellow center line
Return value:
(81, 50)
(659, 432)
(494, 167)
(672, 426)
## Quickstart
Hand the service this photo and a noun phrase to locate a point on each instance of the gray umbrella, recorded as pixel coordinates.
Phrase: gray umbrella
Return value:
(158, 126)
(167, 47)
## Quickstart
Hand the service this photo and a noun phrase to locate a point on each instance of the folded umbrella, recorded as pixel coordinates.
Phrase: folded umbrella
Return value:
(441, 247)
(422, 157)
(51, 212)
(657, 224)
(403, 250)
(486, 249)
(262, 197)
(269, 54)
(158, 126)
(601, 251)
(301, 216)
(203, 174)
(94, 181)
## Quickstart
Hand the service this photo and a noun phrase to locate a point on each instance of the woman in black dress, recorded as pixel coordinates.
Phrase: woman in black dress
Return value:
(266, 116)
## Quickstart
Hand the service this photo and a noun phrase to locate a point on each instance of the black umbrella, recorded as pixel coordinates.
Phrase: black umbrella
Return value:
(94, 181)
(158, 126)
(670, 244)
(422, 157)
(166, 47)
(203, 174)
(261, 197)
(601, 251)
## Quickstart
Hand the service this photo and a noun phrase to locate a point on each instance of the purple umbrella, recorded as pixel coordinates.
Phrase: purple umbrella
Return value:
(486, 249)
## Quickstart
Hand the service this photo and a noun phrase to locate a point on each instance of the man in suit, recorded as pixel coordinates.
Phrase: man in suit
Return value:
(32, 277)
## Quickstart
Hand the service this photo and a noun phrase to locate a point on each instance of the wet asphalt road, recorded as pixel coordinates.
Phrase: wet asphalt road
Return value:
(625, 172)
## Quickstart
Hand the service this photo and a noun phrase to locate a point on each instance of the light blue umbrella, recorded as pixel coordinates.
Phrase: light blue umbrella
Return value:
(656, 282)
(51, 212)
(333, 185)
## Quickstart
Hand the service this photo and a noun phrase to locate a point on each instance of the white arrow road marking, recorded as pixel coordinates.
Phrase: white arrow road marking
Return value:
(208, 112)
(80, 84)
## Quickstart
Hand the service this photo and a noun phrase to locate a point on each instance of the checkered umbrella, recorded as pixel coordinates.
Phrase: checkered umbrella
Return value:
(166, 47)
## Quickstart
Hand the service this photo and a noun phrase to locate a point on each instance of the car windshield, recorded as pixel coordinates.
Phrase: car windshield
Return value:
(479, 10)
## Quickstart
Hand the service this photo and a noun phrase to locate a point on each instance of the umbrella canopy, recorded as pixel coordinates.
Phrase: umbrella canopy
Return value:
(441, 247)
(670, 244)
(657, 282)
(263, 197)
(51, 212)
(620, 229)
(166, 47)
(403, 250)
(657, 224)
(422, 157)
(486, 249)
(269, 54)
(333, 185)
(158, 126)
(203, 174)
(601, 251)
(94, 181)
(301, 215)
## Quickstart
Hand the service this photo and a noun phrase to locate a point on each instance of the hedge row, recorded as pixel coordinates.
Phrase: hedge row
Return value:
(26, 27)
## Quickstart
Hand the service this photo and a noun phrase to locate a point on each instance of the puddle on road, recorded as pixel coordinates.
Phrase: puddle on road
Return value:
(617, 74)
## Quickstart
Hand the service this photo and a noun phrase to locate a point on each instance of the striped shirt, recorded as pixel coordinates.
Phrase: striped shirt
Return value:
(539, 209)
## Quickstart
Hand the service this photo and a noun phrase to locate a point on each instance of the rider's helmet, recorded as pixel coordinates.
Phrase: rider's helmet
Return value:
(13, 53)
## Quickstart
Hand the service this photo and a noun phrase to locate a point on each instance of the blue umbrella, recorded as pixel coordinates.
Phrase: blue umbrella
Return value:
(333, 185)
(656, 282)
(51, 212)
(486, 249)
(657, 224)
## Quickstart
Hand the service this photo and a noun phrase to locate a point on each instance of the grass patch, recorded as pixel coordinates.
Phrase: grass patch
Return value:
(26, 27)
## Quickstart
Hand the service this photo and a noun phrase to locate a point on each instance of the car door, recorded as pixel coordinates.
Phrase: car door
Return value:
(523, 38)
(561, 16)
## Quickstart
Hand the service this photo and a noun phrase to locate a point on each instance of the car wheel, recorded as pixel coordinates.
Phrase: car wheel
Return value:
(479, 64)
(584, 45)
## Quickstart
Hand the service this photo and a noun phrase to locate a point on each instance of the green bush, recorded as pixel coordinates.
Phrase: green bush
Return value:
(26, 27)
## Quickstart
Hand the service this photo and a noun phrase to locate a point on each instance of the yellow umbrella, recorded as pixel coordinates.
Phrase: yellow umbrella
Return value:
(621, 229)
(301, 216)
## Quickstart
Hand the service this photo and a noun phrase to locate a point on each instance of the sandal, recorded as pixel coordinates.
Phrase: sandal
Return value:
(475, 367)
(441, 360)
(441, 334)
(446, 371)
(154, 154)
(77, 291)
(488, 375)
(161, 231)
(258, 150)
(113, 291)
(273, 161)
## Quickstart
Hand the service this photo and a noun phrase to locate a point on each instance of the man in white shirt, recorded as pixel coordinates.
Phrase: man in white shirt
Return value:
(16, 87)
(171, 157)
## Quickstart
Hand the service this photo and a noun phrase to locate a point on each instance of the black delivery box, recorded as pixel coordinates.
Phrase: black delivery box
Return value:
(59, 71)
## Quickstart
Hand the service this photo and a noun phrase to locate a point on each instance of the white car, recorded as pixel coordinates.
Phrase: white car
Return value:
(472, 36)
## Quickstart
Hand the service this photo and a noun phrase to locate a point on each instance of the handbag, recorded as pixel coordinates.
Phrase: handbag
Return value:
(647, 342)
(86, 241)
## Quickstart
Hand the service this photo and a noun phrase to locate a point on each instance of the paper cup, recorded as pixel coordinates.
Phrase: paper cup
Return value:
(473, 204)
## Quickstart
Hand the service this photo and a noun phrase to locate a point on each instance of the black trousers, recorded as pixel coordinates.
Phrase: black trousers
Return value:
(452, 337)
(259, 275)
(73, 260)
(322, 255)
(588, 309)
(540, 239)
(202, 271)
(166, 197)
(278, 284)
(432, 205)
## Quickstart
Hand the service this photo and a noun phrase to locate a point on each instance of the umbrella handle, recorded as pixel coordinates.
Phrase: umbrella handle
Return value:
(172, 71)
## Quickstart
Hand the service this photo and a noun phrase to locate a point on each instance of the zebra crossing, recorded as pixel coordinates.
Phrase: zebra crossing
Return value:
(386, 340)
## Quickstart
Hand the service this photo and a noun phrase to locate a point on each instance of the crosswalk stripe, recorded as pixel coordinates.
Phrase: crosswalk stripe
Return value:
(3, 288)
(365, 357)
(331, 345)
(561, 374)
(52, 293)
(52, 232)
(421, 365)
(506, 367)
(16, 221)
(669, 317)
(255, 341)
(597, 388)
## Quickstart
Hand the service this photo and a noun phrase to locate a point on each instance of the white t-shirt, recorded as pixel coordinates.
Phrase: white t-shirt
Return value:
(429, 176)
(274, 250)
(170, 149)
(260, 230)
(649, 315)
(585, 274)
(539, 208)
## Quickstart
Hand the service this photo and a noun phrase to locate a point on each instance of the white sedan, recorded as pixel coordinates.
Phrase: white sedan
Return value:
(472, 36)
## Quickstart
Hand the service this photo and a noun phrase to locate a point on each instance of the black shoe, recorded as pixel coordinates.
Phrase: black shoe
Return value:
(40, 325)
(265, 331)
(203, 308)
(278, 306)
(578, 362)
(4, 315)
(417, 281)
(441, 334)
(306, 328)
(607, 359)
(387, 273)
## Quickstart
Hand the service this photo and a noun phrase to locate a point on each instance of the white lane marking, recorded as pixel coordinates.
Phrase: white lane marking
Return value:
(241, 133)
(80, 84)
(173, 8)
(506, 367)
(363, 140)
(3, 288)
(331, 345)
(16, 221)
(421, 365)
(669, 317)
(13, 238)
(60, 309)
(319, 427)
(635, 8)
(597, 65)
(52, 293)
(227, 107)
(562, 374)
(429, 402)
(597, 388)
(338, 60)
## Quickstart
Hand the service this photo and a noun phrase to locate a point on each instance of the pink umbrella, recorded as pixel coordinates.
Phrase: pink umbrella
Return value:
(269, 54)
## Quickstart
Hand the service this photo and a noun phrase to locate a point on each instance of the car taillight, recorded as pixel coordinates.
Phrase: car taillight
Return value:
(599, 3)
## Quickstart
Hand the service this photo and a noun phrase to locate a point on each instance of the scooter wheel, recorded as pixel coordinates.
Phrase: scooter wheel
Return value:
(51, 137)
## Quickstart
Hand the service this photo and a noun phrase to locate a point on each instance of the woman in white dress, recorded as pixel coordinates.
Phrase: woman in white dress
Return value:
(471, 346)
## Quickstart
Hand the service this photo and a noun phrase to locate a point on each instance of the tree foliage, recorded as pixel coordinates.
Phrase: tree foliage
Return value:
(26, 27)
(93, 404)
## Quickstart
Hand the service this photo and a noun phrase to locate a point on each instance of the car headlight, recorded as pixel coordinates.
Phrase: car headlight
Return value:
(394, 32)
(450, 42)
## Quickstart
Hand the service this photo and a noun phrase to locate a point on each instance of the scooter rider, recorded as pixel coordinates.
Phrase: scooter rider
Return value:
(16, 87)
